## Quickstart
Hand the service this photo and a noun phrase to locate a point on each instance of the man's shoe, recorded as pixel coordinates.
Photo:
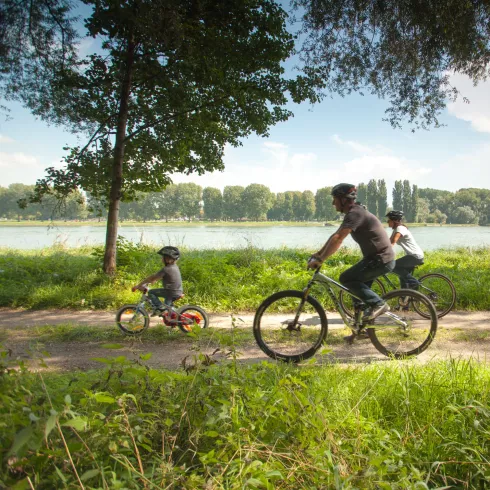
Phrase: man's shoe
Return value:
(371, 312)
(356, 336)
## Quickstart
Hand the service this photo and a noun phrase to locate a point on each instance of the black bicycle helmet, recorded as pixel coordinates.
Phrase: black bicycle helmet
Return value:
(395, 215)
(344, 190)
(172, 252)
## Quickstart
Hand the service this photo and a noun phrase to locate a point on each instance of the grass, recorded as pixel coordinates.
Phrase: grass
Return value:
(393, 425)
(234, 280)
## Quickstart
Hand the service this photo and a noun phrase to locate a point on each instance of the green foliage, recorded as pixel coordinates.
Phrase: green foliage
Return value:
(218, 280)
(382, 198)
(256, 199)
(389, 425)
(397, 195)
(233, 202)
(213, 203)
(372, 197)
(402, 52)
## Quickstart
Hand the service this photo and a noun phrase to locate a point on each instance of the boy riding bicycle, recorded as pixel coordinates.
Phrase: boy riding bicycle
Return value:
(171, 280)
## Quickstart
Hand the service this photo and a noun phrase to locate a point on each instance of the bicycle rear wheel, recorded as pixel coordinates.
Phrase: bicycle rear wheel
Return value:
(189, 316)
(290, 327)
(347, 301)
(440, 290)
(132, 320)
(402, 332)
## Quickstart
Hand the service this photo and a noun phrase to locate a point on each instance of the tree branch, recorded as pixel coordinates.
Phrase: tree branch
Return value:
(168, 118)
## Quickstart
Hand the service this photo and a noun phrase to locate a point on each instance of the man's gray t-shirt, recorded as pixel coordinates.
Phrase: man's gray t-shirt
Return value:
(369, 233)
(171, 279)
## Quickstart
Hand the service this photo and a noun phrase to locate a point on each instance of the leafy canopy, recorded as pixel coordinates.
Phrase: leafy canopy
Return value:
(203, 74)
(403, 51)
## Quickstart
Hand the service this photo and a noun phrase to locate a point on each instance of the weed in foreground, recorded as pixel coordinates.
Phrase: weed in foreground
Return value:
(226, 425)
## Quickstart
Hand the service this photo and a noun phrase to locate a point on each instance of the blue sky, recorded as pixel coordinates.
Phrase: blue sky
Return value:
(338, 140)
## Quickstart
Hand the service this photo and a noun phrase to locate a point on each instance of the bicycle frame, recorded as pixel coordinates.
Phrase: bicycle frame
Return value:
(145, 299)
(327, 283)
(393, 286)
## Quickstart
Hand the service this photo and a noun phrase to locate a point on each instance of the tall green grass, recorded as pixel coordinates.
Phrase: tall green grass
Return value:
(219, 280)
(393, 425)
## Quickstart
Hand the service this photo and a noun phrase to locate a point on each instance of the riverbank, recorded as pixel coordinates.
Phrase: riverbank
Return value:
(233, 280)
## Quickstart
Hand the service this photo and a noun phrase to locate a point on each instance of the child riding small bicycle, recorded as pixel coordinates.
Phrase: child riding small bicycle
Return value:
(171, 280)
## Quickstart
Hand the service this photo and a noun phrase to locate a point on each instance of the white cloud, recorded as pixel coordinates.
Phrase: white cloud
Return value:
(18, 159)
(358, 147)
(463, 170)
(18, 167)
(477, 111)
(5, 139)
(276, 167)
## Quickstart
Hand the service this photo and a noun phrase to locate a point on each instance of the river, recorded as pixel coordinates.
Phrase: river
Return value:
(200, 236)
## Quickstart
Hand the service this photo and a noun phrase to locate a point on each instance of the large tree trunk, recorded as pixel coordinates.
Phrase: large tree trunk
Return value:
(117, 166)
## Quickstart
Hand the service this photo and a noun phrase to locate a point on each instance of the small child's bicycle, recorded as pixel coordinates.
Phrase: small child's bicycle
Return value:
(134, 319)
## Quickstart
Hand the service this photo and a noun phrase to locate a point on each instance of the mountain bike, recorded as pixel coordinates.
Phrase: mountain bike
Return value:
(134, 319)
(292, 325)
(437, 287)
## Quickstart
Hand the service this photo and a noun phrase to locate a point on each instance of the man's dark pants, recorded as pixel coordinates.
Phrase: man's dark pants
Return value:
(359, 279)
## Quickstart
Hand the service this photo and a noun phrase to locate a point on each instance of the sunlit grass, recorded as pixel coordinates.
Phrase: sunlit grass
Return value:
(396, 425)
(235, 280)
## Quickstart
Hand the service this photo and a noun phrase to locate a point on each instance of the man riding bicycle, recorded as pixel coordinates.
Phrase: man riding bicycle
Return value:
(378, 256)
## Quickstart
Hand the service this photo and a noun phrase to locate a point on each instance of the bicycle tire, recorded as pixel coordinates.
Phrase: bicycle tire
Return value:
(196, 316)
(132, 324)
(280, 346)
(345, 299)
(443, 297)
(390, 338)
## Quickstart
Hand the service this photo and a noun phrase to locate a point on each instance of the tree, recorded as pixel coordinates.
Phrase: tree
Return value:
(407, 201)
(464, 215)
(400, 51)
(275, 213)
(167, 203)
(232, 202)
(414, 206)
(382, 198)
(423, 210)
(188, 198)
(213, 203)
(288, 208)
(323, 202)
(362, 193)
(257, 199)
(307, 205)
(154, 105)
(398, 196)
(372, 197)
(36, 37)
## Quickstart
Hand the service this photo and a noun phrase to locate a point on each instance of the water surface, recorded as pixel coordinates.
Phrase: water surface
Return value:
(200, 236)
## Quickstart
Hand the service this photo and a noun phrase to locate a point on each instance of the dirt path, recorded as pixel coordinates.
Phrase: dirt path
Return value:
(17, 328)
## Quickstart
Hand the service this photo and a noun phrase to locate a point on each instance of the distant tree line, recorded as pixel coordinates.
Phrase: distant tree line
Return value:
(256, 202)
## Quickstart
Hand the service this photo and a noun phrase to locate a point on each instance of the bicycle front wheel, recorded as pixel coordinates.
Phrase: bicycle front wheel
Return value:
(132, 319)
(347, 301)
(402, 332)
(440, 290)
(189, 316)
(290, 327)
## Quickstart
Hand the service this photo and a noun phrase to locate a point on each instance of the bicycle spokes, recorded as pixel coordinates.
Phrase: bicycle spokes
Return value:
(289, 327)
(402, 331)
